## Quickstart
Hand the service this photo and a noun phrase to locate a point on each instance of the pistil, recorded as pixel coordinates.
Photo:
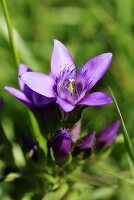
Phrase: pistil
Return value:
(71, 87)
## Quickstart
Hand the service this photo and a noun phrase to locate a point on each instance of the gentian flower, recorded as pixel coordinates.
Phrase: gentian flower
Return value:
(106, 137)
(61, 144)
(26, 95)
(67, 83)
(85, 145)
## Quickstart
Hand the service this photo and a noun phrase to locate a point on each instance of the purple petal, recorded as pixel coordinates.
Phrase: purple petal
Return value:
(40, 83)
(39, 100)
(24, 88)
(75, 131)
(96, 99)
(95, 68)
(61, 59)
(107, 135)
(86, 142)
(22, 69)
(85, 145)
(67, 107)
(19, 95)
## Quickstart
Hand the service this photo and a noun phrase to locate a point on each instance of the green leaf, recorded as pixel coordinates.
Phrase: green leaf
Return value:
(58, 194)
(85, 178)
(121, 177)
(12, 176)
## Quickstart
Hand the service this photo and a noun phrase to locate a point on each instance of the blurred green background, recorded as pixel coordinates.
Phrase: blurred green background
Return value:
(87, 28)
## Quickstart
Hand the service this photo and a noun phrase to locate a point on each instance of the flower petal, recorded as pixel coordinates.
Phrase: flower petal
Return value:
(85, 145)
(39, 100)
(24, 88)
(75, 131)
(22, 69)
(40, 83)
(106, 136)
(96, 99)
(95, 68)
(67, 107)
(61, 59)
(86, 142)
(19, 95)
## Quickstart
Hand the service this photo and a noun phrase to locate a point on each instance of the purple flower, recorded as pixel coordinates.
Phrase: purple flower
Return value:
(85, 145)
(107, 136)
(26, 95)
(67, 84)
(61, 145)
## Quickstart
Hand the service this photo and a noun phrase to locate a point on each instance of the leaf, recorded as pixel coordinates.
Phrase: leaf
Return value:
(121, 177)
(93, 180)
(12, 176)
(57, 195)
(103, 193)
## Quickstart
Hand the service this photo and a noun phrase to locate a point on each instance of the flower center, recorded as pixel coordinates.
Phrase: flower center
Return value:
(70, 90)
(69, 86)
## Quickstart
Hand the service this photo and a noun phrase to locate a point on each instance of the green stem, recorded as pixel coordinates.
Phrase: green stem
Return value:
(10, 31)
(127, 139)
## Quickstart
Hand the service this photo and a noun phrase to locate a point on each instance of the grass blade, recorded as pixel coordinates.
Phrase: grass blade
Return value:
(10, 31)
(129, 146)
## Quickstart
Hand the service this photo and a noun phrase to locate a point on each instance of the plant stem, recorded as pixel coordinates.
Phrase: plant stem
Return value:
(10, 31)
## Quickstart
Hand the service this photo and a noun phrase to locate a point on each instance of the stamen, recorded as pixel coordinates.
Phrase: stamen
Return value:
(71, 88)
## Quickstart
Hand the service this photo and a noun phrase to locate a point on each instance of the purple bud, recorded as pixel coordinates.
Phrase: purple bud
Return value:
(107, 136)
(30, 146)
(61, 145)
(85, 145)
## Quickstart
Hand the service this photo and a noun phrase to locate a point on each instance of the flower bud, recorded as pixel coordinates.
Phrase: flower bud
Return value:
(85, 145)
(61, 145)
(107, 136)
